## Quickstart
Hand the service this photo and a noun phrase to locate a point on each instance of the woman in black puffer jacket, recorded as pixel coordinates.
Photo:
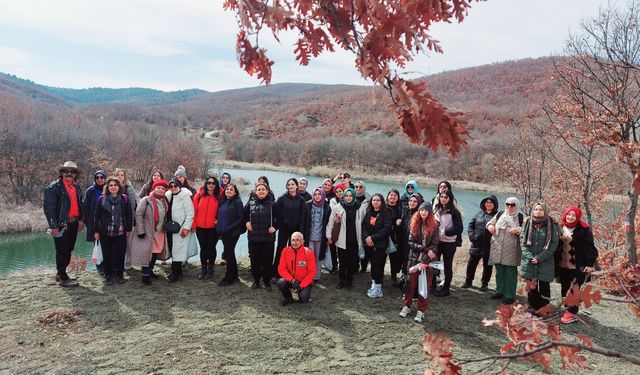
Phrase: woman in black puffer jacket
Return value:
(481, 242)
(376, 229)
(230, 226)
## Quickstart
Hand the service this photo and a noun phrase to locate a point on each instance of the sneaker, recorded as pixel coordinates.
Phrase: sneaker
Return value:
(568, 318)
(484, 287)
(419, 317)
(466, 285)
(405, 311)
(69, 283)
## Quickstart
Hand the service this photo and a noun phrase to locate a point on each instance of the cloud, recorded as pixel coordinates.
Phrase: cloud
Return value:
(12, 55)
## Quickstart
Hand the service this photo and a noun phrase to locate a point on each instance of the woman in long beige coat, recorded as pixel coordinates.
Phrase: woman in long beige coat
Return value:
(150, 238)
(505, 251)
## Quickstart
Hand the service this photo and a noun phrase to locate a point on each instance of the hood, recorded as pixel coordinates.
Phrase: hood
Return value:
(415, 187)
(490, 198)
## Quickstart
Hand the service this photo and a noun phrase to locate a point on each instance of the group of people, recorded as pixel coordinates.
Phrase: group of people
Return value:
(337, 224)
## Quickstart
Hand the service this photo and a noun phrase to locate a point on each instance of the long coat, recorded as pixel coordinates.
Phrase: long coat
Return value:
(545, 269)
(505, 247)
(181, 213)
(145, 224)
(339, 214)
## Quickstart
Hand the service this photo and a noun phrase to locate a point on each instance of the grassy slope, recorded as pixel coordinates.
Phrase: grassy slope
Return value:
(197, 326)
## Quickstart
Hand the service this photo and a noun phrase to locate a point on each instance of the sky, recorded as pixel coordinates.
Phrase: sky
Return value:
(176, 45)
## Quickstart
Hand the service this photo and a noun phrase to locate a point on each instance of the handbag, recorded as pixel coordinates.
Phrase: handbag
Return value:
(171, 227)
(335, 231)
(194, 246)
(391, 248)
(96, 257)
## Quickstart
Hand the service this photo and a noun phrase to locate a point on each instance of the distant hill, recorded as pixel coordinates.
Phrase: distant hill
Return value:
(99, 95)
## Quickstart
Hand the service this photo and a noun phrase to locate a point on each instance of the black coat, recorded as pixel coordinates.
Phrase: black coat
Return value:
(380, 231)
(89, 203)
(236, 219)
(262, 213)
(305, 228)
(57, 204)
(290, 212)
(585, 251)
(396, 230)
(477, 229)
(102, 217)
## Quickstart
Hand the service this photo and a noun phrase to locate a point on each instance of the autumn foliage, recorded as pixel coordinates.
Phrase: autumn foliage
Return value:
(383, 35)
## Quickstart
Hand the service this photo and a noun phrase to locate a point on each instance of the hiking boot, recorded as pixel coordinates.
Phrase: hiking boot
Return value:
(146, 280)
(394, 280)
(441, 292)
(255, 285)
(285, 301)
(496, 296)
(267, 287)
(419, 317)
(108, 280)
(173, 277)
(227, 282)
(340, 285)
(120, 280)
(203, 273)
(508, 301)
(69, 283)
(484, 287)
(467, 284)
(405, 311)
(209, 274)
(568, 318)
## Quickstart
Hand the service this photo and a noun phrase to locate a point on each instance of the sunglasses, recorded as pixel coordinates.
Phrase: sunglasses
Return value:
(211, 183)
(173, 186)
(510, 204)
(358, 187)
(68, 171)
(100, 177)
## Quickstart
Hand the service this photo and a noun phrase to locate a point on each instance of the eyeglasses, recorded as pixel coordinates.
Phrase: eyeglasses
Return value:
(510, 204)
(100, 177)
(211, 182)
(341, 176)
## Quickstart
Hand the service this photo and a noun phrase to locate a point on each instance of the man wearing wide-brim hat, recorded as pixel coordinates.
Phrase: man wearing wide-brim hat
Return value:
(63, 210)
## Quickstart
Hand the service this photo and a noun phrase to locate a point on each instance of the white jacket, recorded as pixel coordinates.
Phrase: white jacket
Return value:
(338, 213)
(181, 213)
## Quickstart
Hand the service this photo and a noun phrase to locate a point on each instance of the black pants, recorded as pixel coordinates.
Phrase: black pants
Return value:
(487, 270)
(64, 246)
(540, 296)
(567, 277)
(446, 250)
(113, 250)
(334, 257)
(395, 259)
(283, 240)
(208, 239)
(229, 254)
(348, 262)
(285, 288)
(364, 262)
(378, 260)
(261, 255)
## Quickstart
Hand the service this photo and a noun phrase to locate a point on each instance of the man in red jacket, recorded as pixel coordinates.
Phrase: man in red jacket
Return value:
(297, 269)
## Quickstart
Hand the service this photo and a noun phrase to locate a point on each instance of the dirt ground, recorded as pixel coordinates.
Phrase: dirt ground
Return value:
(197, 327)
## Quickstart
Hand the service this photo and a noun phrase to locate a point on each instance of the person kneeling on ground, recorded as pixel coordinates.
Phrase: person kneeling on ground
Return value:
(297, 268)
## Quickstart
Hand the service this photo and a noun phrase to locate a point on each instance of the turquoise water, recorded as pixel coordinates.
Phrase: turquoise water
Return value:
(22, 251)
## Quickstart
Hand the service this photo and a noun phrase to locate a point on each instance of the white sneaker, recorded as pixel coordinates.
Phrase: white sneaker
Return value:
(372, 287)
(375, 292)
(405, 311)
(419, 317)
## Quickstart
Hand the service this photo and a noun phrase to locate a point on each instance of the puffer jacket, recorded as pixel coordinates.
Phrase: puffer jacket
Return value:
(261, 213)
(57, 204)
(379, 231)
(235, 217)
(290, 212)
(89, 203)
(477, 229)
(205, 208)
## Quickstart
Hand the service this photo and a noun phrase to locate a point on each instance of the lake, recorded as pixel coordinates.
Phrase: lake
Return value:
(22, 251)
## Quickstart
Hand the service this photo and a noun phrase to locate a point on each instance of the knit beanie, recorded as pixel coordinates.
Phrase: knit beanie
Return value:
(425, 206)
(181, 171)
(159, 182)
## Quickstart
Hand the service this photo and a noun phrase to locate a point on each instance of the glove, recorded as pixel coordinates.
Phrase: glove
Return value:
(141, 235)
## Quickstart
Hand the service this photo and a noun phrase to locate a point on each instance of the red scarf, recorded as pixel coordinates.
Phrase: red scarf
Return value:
(156, 215)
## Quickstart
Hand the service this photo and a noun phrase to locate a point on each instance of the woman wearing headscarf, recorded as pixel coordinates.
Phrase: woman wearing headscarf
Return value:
(148, 186)
(363, 198)
(261, 220)
(338, 191)
(315, 217)
(450, 228)
(112, 224)
(303, 183)
(575, 257)
(181, 210)
(348, 215)
(225, 180)
(409, 189)
(539, 240)
(376, 229)
(395, 258)
(480, 242)
(132, 198)
(505, 253)
(230, 226)
(150, 239)
(205, 209)
(423, 244)
(290, 208)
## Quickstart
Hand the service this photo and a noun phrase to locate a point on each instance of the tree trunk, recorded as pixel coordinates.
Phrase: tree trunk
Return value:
(630, 227)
